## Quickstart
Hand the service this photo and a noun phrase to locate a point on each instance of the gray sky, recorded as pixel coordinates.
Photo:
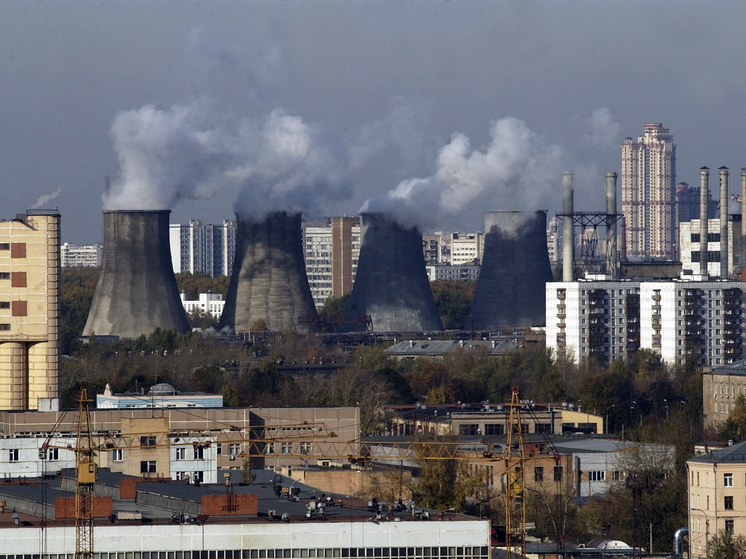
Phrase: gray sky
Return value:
(376, 89)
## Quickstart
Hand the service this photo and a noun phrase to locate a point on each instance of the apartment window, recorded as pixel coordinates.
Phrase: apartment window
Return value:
(729, 526)
(147, 466)
(234, 448)
(181, 453)
(4, 304)
(468, 429)
(117, 455)
(147, 440)
(287, 448)
(51, 454)
(4, 246)
(597, 475)
(13, 454)
(727, 480)
(538, 474)
(305, 448)
(616, 475)
(4, 327)
(219, 449)
(558, 473)
(4, 275)
(728, 502)
(199, 453)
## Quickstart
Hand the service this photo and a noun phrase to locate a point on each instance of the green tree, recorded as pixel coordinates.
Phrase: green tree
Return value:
(453, 299)
(727, 546)
(735, 426)
(247, 472)
(333, 310)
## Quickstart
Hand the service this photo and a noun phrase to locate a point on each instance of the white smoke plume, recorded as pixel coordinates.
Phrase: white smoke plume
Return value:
(46, 198)
(516, 170)
(189, 152)
(601, 128)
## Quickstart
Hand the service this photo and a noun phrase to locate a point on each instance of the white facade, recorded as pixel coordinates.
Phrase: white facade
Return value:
(203, 248)
(463, 272)
(676, 319)
(462, 539)
(689, 241)
(74, 255)
(207, 303)
(22, 456)
(466, 248)
(554, 242)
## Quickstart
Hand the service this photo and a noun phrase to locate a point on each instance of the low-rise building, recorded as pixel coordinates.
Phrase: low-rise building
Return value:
(721, 387)
(206, 304)
(74, 255)
(448, 272)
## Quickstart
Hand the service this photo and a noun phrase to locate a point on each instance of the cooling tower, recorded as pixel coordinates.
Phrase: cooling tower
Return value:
(510, 291)
(391, 284)
(269, 280)
(136, 291)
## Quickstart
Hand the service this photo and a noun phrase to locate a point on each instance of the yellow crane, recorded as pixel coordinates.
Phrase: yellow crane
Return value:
(515, 470)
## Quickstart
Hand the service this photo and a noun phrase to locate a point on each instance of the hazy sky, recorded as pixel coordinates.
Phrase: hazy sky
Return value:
(464, 105)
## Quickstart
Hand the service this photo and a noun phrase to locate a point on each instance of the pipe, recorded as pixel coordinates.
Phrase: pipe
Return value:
(704, 179)
(723, 222)
(611, 248)
(568, 237)
(623, 252)
(678, 541)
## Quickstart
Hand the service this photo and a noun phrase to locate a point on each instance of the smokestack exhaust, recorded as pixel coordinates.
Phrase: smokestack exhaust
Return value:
(568, 238)
(724, 221)
(391, 284)
(511, 290)
(136, 291)
(704, 189)
(269, 281)
(611, 242)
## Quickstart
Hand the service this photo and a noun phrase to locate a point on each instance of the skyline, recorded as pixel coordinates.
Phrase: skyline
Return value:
(388, 84)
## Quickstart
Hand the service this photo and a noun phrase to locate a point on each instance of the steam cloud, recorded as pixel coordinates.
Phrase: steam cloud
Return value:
(46, 198)
(516, 170)
(279, 162)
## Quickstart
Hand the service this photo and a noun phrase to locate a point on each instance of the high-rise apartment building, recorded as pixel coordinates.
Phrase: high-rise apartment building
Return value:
(29, 309)
(203, 248)
(331, 248)
(649, 194)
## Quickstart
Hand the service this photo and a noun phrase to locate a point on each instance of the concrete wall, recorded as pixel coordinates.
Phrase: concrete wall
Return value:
(136, 291)
(391, 284)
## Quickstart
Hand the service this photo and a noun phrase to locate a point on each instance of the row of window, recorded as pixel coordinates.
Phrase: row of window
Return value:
(727, 479)
(450, 552)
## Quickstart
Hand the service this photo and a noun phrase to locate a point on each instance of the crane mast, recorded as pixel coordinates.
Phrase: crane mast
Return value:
(515, 465)
(85, 479)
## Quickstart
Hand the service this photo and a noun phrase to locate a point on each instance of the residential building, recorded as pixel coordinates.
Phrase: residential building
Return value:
(461, 272)
(29, 309)
(74, 255)
(203, 248)
(680, 320)
(649, 194)
(466, 248)
(691, 246)
(554, 242)
(206, 304)
(687, 203)
(721, 387)
(717, 496)
(436, 248)
(331, 247)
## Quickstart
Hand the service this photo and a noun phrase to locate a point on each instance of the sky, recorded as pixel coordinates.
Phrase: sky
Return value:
(434, 109)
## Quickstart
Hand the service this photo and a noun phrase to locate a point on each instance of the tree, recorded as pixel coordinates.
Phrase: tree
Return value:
(735, 426)
(727, 546)
(247, 472)
(453, 299)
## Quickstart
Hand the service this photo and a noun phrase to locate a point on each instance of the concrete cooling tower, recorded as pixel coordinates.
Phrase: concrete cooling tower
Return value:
(391, 283)
(136, 291)
(515, 268)
(269, 280)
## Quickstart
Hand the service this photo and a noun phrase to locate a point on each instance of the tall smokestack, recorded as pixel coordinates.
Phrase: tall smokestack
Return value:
(512, 283)
(391, 284)
(704, 189)
(568, 239)
(723, 221)
(136, 291)
(269, 280)
(611, 259)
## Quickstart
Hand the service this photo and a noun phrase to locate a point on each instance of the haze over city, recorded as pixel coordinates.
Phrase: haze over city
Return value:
(478, 105)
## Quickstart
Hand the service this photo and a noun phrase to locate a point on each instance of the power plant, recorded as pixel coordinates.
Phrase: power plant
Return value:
(269, 280)
(391, 284)
(511, 287)
(136, 291)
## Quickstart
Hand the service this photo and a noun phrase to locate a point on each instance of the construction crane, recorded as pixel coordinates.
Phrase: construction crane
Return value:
(515, 469)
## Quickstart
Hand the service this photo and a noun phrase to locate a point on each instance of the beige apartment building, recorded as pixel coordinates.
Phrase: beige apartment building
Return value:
(649, 194)
(717, 496)
(29, 309)
(721, 387)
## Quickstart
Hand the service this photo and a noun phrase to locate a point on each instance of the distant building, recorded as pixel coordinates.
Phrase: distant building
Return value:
(203, 248)
(607, 320)
(159, 396)
(436, 248)
(74, 255)
(207, 303)
(687, 203)
(466, 248)
(721, 387)
(331, 248)
(649, 194)
(29, 309)
(690, 243)
(463, 272)
(554, 242)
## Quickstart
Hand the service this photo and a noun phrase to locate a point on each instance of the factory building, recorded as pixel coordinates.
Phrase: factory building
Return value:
(203, 248)
(691, 246)
(88, 256)
(606, 320)
(29, 309)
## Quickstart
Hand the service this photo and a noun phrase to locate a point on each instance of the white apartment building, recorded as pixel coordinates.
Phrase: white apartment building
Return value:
(690, 246)
(74, 255)
(331, 248)
(207, 303)
(607, 320)
(554, 242)
(203, 248)
(463, 272)
(466, 248)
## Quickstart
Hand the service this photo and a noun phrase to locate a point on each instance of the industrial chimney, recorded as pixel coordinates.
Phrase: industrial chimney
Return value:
(391, 284)
(269, 280)
(511, 287)
(136, 291)
(704, 179)
(611, 259)
(723, 222)
(568, 238)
